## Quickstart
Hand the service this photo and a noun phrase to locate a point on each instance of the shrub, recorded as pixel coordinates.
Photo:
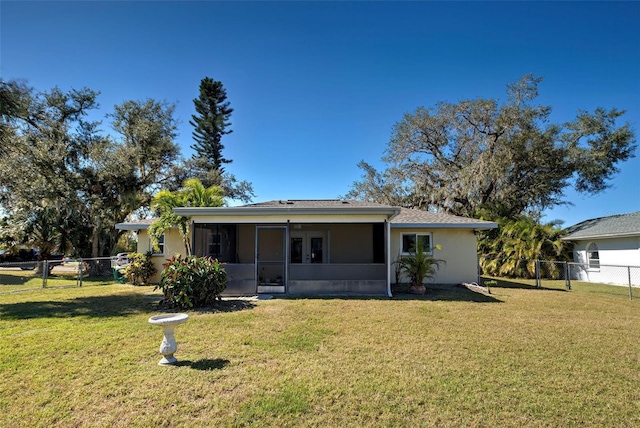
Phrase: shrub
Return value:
(192, 282)
(419, 266)
(139, 269)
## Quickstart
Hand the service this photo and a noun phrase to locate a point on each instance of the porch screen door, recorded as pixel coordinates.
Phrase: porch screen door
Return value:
(270, 258)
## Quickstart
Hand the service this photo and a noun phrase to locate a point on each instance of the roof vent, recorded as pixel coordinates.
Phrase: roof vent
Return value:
(345, 202)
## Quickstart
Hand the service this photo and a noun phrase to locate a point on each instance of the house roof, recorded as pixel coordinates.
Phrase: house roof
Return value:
(398, 217)
(409, 217)
(605, 227)
(316, 203)
(293, 207)
(135, 224)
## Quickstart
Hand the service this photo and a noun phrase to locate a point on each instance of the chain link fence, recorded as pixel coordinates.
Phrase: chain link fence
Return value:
(567, 275)
(22, 276)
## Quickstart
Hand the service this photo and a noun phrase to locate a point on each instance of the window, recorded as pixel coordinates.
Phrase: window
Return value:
(411, 240)
(160, 250)
(213, 244)
(215, 240)
(593, 257)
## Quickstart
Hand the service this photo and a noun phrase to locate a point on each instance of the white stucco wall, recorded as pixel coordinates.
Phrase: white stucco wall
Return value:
(459, 250)
(615, 254)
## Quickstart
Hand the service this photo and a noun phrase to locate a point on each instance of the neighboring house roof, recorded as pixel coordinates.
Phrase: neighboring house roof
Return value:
(605, 227)
(399, 217)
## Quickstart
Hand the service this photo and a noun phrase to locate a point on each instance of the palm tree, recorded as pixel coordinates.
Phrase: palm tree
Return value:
(419, 265)
(192, 194)
(519, 242)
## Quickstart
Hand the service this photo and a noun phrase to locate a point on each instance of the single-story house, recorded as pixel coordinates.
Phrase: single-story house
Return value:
(606, 247)
(320, 247)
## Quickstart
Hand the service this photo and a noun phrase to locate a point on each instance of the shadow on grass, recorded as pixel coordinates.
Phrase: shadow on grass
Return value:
(205, 364)
(14, 279)
(228, 305)
(106, 306)
(515, 283)
(447, 293)
(94, 306)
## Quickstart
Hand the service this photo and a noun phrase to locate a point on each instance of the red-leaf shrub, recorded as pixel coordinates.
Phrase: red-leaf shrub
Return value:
(192, 282)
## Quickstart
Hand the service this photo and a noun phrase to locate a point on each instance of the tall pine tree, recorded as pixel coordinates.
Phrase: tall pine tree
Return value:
(210, 124)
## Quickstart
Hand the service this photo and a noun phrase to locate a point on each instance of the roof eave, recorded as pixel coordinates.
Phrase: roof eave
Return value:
(273, 211)
(474, 226)
(132, 226)
(600, 236)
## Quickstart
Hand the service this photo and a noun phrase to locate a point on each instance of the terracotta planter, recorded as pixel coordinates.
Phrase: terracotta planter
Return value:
(417, 289)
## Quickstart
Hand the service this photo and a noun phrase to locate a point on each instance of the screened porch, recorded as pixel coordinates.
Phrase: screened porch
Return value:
(298, 258)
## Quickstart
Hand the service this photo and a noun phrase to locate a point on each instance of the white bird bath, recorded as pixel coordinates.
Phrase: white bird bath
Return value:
(168, 346)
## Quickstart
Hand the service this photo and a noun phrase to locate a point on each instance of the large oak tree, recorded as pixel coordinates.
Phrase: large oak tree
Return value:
(484, 157)
(64, 184)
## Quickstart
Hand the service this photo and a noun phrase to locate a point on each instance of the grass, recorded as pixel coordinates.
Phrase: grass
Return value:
(13, 279)
(518, 357)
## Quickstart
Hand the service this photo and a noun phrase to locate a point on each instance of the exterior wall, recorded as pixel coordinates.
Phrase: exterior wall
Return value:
(350, 244)
(614, 253)
(173, 244)
(459, 251)
(346, 287)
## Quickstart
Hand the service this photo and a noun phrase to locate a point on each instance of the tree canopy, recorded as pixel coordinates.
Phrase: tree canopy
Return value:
(192, 194)
(511, 250)
(484, 157)
(64, 183)
(211, 123)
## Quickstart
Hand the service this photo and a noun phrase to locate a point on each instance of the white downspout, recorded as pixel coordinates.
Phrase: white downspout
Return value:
(388, 233)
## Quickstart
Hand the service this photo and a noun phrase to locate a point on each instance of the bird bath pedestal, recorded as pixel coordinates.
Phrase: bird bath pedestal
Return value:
(168, 345)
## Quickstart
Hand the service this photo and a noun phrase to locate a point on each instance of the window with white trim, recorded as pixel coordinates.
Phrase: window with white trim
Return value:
(160, 250)
(593, 256)
(410, 242)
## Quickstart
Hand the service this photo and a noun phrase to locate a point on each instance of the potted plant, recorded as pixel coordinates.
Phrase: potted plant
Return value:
(418, 266)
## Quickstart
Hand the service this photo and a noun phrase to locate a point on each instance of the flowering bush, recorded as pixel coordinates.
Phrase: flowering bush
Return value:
(192, 282)
(139, 269)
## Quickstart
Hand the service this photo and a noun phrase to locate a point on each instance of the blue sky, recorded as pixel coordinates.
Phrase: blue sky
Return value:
(317, 86)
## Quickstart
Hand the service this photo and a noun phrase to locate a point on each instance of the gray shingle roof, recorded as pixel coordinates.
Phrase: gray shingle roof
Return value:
(406, 218)
(418, 218)
(316, 203)
(606, 227)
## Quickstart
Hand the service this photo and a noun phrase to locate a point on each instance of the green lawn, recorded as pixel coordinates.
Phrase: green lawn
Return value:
(519, 357)
(14, 280)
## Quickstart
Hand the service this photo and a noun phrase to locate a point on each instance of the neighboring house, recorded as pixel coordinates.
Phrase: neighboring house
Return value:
(605, 246)
(321, 247)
